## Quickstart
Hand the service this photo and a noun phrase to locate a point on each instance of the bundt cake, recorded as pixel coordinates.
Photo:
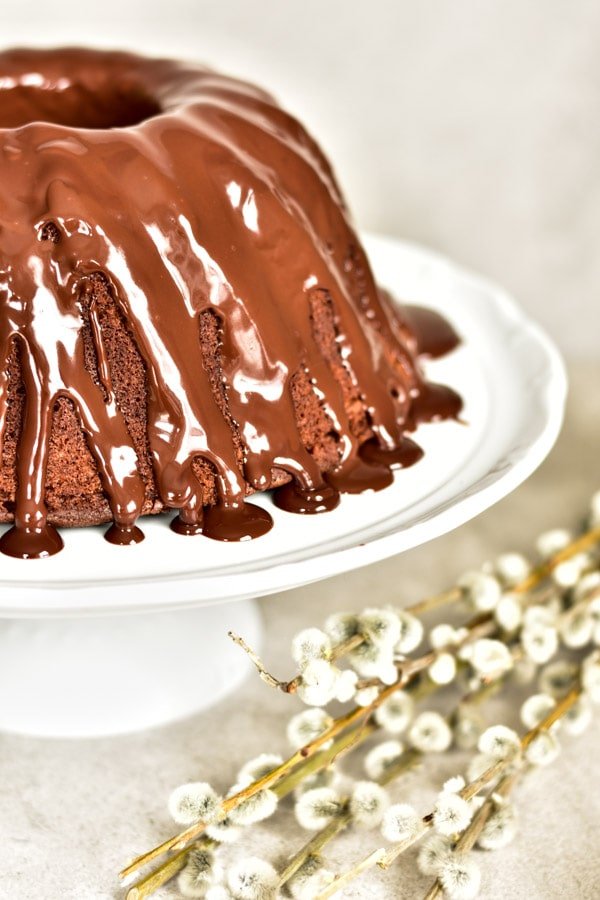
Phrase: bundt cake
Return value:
(187, 315)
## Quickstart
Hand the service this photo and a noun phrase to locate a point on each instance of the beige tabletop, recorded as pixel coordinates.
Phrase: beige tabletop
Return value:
(72, 812)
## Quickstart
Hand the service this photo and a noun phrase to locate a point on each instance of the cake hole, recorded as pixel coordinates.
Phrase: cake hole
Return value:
(76, 106)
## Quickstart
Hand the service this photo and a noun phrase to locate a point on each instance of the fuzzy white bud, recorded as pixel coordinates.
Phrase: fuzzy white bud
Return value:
(388, 673)
(368, 802)
(578, 717)
(224, 831)
(430, 733)
(341, 627)
(311, 643)
(453, 785)
(443, 669)
(509, 612)
(539, 642)
(482, 590)
(345, 687)
(551, 542)
(411, 632)
(451, 814)
(400, 823)
(381, 757)
(307, 726)
(500, 828)
(576, 626)
(490, 658)
(445, 635)
(460, 877)
(395, 713)
(567, 573)
(369, 659)
(380, 626)
(256, 808)
(315, 809)
(258, 767)
(310, 879)
(536, 614)
(366, 696)
(318, 682)
(543, 749)
(587, 586)
(499, 741)
(512, 568)
(558, 677)
(433, 853)
(196, 877)
(252, 879)
(194, 802)
(535, 709)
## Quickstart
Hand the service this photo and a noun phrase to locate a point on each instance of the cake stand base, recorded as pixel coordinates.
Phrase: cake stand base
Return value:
(88, 678)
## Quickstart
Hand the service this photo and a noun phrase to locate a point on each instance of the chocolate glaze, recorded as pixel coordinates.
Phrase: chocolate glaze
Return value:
(306, 501)
(124, 535)
(189, 191)
(402, 457)
(434, 335)
(359, 475)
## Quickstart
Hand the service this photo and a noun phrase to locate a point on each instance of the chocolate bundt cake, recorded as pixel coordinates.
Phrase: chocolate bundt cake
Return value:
(187, 315)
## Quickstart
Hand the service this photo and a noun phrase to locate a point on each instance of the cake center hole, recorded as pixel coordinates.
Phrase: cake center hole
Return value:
(75, 106)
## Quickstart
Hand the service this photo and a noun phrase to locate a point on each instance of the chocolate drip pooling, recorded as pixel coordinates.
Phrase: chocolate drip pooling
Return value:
(209, 218)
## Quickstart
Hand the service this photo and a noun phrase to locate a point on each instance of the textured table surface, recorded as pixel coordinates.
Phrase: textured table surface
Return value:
(72, 812)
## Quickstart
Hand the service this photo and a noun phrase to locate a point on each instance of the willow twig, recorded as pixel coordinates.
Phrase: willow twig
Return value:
(384, 858)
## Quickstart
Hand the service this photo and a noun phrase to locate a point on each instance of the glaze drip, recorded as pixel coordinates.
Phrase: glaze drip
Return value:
(215, 226)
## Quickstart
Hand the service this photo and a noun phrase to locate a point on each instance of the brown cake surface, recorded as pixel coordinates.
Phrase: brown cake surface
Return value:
(187, 315)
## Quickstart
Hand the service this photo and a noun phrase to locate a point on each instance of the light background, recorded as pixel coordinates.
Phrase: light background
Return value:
(472, 126)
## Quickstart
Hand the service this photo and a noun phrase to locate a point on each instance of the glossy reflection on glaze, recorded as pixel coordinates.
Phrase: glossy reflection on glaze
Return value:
(433, 333)
(402, 457)
(31, 543)
(306, 501)
(123, 535)
(243, 522)
(194, 192)
(358, 476)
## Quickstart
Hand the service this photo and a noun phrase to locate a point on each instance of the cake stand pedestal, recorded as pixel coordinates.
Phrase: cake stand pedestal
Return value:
(82, 677)
(75, 659)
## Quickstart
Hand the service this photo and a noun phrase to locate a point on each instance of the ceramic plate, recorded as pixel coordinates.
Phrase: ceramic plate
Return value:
(514, 385)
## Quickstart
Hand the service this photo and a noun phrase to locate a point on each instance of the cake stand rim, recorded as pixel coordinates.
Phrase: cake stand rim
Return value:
(196, 589)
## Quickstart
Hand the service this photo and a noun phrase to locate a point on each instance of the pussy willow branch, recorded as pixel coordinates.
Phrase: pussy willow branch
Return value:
(408, 670)
(405, 762)
(536, 577)
(358, 715)
(154, 880)
(170, 867)
(384, 858)
(468, 838)
(290, 687)
(584, 542)
(481, 626)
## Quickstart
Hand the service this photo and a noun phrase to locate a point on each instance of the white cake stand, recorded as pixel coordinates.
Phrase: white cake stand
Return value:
(75, 660)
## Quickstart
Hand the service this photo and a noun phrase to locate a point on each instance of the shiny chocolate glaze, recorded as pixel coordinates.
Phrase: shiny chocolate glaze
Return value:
(189, 191)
